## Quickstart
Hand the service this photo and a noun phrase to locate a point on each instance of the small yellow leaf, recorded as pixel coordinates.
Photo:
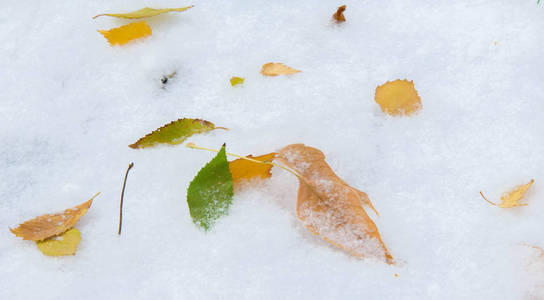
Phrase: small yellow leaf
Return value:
(236, 80)
(512, 198)
(145, 12)
(64, 244)
(275, 69)
(46, 226)
(126, 33)
(398, 97)
(242, 169)
(338, 16)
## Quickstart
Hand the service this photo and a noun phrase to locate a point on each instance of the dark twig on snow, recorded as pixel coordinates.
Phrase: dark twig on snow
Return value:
(122, 196)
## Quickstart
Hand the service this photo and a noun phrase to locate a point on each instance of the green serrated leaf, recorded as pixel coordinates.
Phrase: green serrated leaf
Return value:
(174, 132)
(144, 12)
(210, 193)
(236, 80)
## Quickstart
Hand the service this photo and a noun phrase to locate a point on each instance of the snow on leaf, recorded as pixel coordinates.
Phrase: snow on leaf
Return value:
(338, 16)
(126, 33)
(64, 244)
(174, 132)
(512, 198)
(210, 193)
(398, 98)
(236, 80)
(46, 226)
(330, 208)
(275, 69)
(243, 170)
(145, 12)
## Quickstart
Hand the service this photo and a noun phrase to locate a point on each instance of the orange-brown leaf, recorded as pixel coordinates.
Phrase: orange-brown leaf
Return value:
(275, 69)
(398, 98)
(243, 169)
(46, 226)
(329, 207)
(126, 33)
(338, 16)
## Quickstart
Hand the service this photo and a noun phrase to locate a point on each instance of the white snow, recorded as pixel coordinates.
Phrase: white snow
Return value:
(70, 105)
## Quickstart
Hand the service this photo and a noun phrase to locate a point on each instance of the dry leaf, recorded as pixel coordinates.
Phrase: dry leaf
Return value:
(275, 69)
(242, 169)
(64, 244)
(398, 97)
(46, 226)
(126, 33)
(338, 16)
(512, 198)
(144, 12)
(329, 207)
(236, 80)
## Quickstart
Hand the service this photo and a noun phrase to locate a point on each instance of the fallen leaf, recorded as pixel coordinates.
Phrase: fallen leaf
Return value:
(175, 132)
(275, 69)
(126, 33)
(398, 97)
(46, 226)
(330, 208)
(210, 193)
(145, 12)
(64, 244)
(512, 198)
(236, 80)
(338, 16)
(243, 169)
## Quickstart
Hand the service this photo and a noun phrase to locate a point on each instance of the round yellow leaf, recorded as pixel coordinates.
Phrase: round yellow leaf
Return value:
(64, 244)
(398, 97)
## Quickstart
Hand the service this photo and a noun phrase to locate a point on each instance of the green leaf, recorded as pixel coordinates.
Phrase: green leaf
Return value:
(175, 132)
(236, 80)
(210, 193)
(144, 12)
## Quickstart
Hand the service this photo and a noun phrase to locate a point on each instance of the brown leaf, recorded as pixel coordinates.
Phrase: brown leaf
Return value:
(242, 169)
(45, 226)
(329, 207)
(338, 16)
(275, 69)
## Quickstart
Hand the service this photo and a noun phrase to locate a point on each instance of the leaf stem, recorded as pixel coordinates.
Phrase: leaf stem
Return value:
(193, 146)
(486, 199)
(219, 127)
(122, 196)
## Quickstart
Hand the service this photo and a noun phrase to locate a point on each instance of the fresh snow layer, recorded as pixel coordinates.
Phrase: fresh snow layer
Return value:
(70, 104)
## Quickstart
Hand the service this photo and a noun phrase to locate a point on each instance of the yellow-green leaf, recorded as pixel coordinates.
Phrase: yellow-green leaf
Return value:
(236, 80)
(126, 33)
(64, 244)
(175, 132)
(145, 12)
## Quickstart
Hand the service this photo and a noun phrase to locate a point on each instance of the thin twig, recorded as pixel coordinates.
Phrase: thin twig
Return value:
(122, 196)
(486, 199)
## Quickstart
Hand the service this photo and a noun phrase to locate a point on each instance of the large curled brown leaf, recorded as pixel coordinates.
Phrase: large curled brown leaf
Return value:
(46, 226)
(329, 207)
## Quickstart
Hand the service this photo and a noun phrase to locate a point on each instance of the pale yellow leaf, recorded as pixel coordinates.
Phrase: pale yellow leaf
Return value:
(398, 98)
(145, 12)
(126, 33)
(64, 244)
(275, 69)
(513, 198)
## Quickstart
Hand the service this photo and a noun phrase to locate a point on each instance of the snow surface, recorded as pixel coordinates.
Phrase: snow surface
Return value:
(70, 104)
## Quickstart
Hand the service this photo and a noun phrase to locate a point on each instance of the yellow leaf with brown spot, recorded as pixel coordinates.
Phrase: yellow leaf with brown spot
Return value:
(145, 12)
(45, 226)
(243, 169)
(330, 208)
(126, 33)
(64, 244)
(398, 97)
(275, 69)
(338, 16)
(512, 198)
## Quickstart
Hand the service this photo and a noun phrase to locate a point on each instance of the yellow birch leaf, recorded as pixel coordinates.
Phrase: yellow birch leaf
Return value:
(512, 198)
(145, 12)
(126, 33)
(46, 226)
(338, 16)
(398, 98)
(330, 208)
(242, 169)
(236, 80)
(275, 69)
(64, 244)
